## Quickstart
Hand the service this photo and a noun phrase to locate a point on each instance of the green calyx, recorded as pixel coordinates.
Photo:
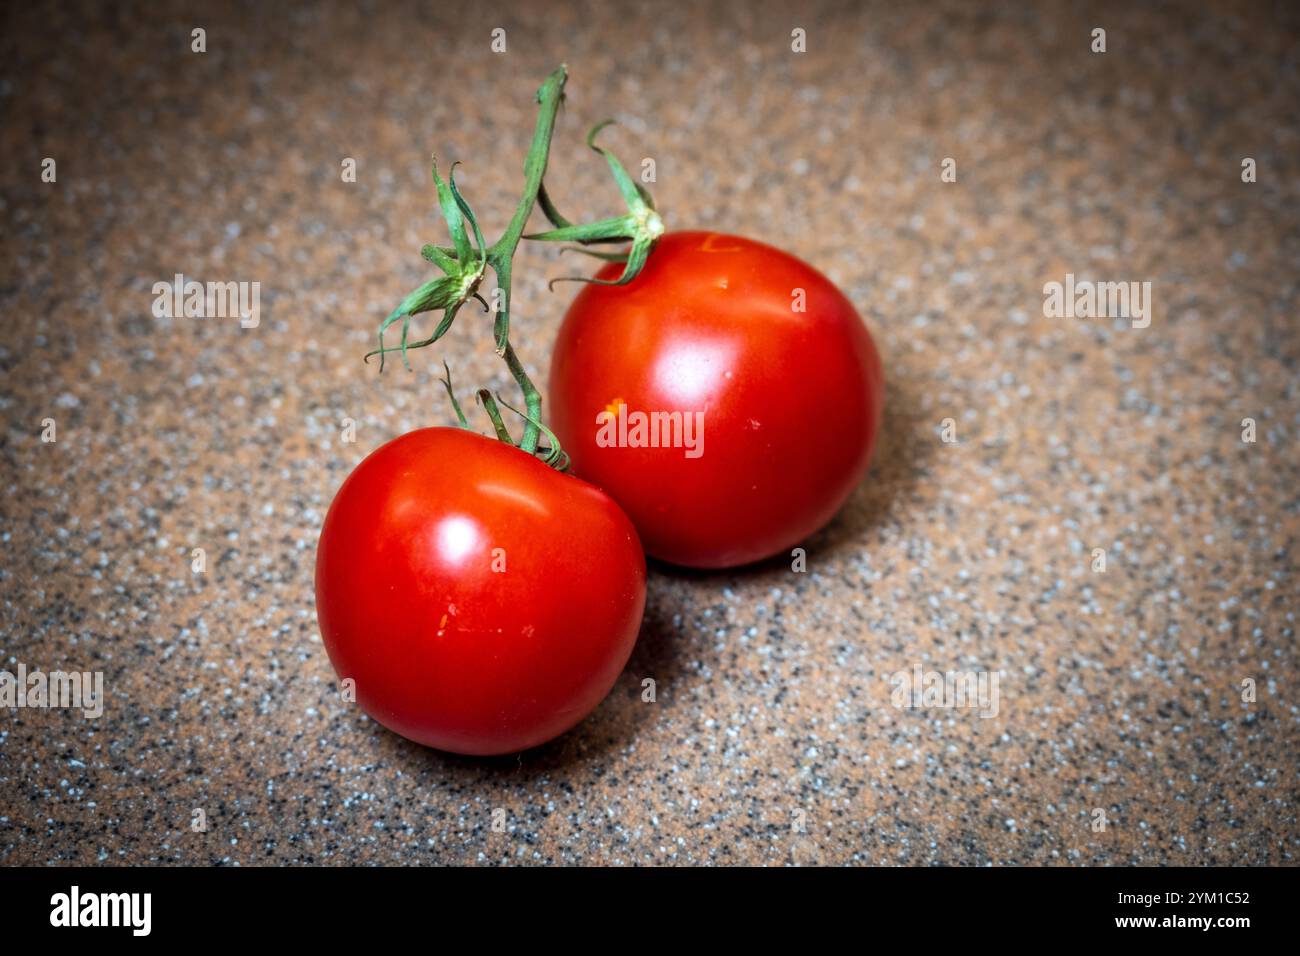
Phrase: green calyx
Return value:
(465, 263)
(642, 226)
(463, 267)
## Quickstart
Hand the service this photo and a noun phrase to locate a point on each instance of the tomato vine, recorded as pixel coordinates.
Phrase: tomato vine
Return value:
(465, 262)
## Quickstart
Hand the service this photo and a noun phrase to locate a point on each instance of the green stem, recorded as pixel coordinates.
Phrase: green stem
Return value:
(532, 399)
(502, 253)
(490, 406)
(549, 96)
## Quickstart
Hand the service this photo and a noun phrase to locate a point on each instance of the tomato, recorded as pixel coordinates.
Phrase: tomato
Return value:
(483, 602)
(787, 402)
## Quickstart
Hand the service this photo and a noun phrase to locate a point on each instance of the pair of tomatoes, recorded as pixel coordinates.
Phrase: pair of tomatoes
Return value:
(717, 409)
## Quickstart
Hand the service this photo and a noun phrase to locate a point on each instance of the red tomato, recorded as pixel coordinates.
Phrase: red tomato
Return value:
(482, 601)
(789, 401)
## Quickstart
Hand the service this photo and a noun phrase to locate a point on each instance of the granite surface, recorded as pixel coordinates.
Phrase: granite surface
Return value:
(1124, 731)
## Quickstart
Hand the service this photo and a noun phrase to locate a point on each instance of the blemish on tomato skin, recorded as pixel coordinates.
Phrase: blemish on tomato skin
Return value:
(711, 243)
(613, 406)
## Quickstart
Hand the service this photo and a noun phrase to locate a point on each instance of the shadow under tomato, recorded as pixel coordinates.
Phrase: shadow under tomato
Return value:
(906, 444)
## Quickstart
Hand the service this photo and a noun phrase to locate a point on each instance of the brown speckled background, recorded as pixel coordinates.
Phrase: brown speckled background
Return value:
(1119, 691)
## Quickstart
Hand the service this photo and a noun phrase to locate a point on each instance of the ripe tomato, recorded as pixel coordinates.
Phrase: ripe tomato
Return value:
(789, 401)
(482, 601)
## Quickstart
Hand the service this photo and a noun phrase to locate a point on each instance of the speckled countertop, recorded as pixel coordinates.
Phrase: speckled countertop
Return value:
(1121, 691)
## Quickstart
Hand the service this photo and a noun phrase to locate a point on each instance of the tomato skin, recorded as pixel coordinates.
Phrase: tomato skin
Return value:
(792, 400)
(447, 651)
